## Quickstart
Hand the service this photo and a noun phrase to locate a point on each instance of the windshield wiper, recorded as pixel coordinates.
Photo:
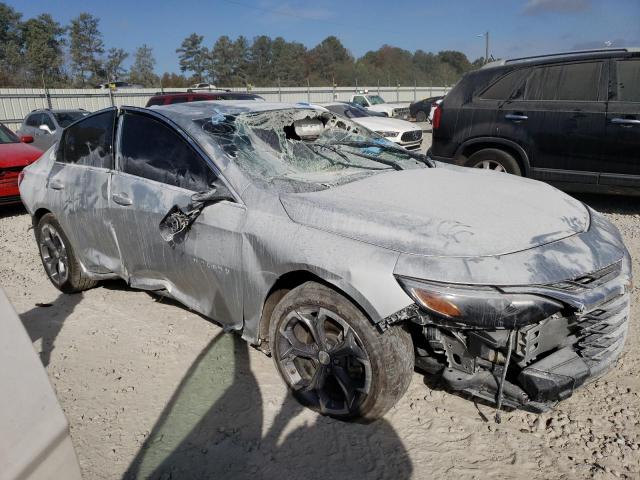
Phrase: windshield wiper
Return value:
(330, 146)
(341, 155)
(389, 148)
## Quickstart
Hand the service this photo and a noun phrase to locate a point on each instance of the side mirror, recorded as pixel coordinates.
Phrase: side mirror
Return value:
(45, 128)
(26, 139)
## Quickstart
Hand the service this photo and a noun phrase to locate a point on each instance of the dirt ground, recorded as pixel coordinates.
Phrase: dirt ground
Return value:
(152, 390)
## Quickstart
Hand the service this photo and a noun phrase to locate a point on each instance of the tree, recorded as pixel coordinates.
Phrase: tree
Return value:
(142, 68)
(113, 64)
(288, 62)
(260, 56)
(10, 44)
(222, 60)
(458, 60)
(86, 48)
(325, 57)
(193, 56)
(175, 80)
(43, 49)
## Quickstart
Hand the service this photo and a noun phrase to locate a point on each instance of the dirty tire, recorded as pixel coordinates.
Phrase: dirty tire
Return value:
(494, 159)
(58, 258)
(350, 342)
(421, 116)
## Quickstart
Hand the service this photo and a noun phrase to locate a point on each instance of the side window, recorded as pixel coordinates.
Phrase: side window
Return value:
(508, 87)
(152, 150)
(33, 120)
(46, 120)
(572, 82)
(360, 101)
(89, 142)
(628, 80)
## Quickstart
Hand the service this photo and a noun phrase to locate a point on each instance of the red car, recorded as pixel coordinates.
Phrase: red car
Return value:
(182, 97)
(15, 154)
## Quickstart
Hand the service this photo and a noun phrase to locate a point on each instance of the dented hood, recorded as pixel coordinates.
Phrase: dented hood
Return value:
(443, 212)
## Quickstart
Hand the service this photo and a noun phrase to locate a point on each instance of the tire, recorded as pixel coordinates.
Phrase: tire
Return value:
(333, 359)
(58, 258)
(421, 116)
(494, 159)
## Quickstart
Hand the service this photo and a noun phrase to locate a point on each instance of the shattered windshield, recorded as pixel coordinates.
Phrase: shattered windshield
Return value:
(304, 148)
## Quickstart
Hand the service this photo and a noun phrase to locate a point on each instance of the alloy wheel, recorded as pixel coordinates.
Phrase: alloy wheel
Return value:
(54, 254)
(323, 360)
(491, 165)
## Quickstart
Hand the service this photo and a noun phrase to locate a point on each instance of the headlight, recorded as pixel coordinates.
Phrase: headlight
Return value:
(388, 134)
(479, 306)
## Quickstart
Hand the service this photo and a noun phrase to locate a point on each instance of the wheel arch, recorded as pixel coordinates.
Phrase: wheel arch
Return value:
(471, 146)
(38, 214)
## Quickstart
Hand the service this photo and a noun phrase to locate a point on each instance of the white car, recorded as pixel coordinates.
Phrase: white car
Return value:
(377, 104)
(405, 134)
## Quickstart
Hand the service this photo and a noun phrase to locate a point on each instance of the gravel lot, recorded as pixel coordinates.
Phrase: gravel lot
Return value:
(153, 390)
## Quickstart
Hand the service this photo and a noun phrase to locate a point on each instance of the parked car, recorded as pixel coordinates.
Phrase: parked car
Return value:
(15, 154)
(422, 110)
(571, 119)
(35, 442)
(204, 85)
(347, 258)
(377, 104)
(182, 97)
(118, 85)
(404, 133)
(46, 126)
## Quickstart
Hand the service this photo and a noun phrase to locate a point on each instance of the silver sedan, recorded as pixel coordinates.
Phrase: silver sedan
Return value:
(347, 258)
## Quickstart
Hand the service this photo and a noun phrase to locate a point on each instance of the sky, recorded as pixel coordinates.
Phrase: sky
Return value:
(516, 28)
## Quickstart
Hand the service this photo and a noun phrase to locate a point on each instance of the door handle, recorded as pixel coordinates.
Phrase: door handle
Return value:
(121, 199)
(625, 121)
(516, 117)
(56, 185)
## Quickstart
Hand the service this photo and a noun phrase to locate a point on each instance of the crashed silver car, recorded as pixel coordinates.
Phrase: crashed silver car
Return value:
(348, 259)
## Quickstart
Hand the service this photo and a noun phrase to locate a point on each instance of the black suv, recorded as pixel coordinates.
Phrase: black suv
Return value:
(571, 119)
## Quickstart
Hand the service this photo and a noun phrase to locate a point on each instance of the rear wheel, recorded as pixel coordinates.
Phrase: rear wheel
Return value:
(421, 116)
(58, 258)
(494, 159)
(332, 357)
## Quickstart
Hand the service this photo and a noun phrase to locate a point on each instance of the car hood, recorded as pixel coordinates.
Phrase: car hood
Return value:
(385, 124)
(443, 211)
(17, 155)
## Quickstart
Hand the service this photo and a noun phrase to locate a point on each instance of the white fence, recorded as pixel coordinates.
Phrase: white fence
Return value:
(16, 103)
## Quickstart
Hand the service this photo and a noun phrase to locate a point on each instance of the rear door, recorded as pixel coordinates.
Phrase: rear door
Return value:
(560, 120)
(159, 168)
(621, 156)
(79, 188)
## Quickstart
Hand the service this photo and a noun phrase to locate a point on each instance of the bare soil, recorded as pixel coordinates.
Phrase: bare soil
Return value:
(152, 390)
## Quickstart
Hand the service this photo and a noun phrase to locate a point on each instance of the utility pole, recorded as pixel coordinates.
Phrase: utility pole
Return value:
(486, 47)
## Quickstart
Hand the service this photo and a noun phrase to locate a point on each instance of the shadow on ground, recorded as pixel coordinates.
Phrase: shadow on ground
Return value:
(213, 428)
(621, 204)
(45, 320)
(7, 211)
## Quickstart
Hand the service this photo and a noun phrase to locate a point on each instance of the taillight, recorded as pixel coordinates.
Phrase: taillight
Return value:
(435, 121)
(20, 177)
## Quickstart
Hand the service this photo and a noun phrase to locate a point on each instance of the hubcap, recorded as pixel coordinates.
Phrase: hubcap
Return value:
(323, 360)
(491, 165)
(54, 254)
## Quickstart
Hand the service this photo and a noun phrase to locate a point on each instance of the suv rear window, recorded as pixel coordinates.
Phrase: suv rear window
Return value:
(576, 81)
(628, 80)
(506, 87)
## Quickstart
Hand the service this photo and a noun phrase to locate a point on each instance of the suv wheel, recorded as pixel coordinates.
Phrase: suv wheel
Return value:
(333, 359)
(421, 116)
(58, 258)
(494, 159)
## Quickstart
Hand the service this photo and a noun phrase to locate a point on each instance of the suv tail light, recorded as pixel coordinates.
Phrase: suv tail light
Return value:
(437, 113)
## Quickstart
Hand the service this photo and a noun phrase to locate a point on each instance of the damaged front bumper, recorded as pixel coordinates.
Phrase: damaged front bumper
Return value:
(549, 358)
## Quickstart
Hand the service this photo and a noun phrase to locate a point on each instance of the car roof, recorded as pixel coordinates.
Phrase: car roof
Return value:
(227, 107)
(563, 56)
(59, 110)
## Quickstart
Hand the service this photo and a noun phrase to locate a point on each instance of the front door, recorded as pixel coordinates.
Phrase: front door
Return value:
(158, 169)
(621, 160)
(79, 188)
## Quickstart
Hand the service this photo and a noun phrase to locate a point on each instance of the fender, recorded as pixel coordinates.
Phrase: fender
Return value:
(500, 141)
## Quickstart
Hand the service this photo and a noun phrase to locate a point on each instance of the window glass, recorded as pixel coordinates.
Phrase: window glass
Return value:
(154, 151)
(33, 120)
(360, 101)
(7, 136)
(628, 80)
(507, 87)
(67, 118)
(90, 141)
(46, 120)
(573, 82)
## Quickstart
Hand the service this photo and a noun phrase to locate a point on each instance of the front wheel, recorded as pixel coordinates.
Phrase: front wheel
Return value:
(421, 116)
(333, 359)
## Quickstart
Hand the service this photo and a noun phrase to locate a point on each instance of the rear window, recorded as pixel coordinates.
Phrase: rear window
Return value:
(628, 80)
(89, 142)
(507, 87)
(573, 82)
